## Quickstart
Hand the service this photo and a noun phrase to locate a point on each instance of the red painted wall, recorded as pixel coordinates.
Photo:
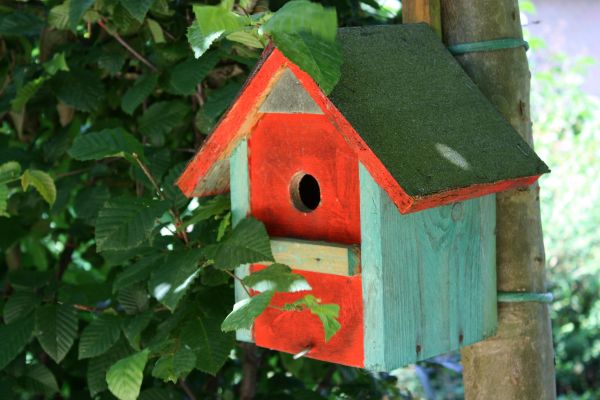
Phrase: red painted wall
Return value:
(282, 145)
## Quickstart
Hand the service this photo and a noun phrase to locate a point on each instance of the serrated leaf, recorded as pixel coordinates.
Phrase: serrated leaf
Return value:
(134, 328)
(13, 338)
(56, 328)
(126, 222)
(137, 8)
(58, 17)
(160, 118)
(80, 89)
(137, 272)
(43, 378)
(20, 304)
(9, 171)
(114, 142)
(97, 366)
(211, 345)
(212, 22)
(327, 313)
(321, 59)
(125, 377)
(303, 16)
(277, 277)
(214, 207)
(245, 312)
(135, 95)
(248, 38)
(133, 299)
(174, 366)
(25, 93)
(76, 10)
(185, 76)
(169, 283)
(220, 99)
(16, 23)
(42, 182)
(247, 243)
(88, 202)
(99, 336)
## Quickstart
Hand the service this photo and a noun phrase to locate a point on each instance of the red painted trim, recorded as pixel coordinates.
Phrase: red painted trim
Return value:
(243, 116)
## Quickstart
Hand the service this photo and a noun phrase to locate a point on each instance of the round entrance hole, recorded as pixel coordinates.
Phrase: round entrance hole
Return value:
(305, 192)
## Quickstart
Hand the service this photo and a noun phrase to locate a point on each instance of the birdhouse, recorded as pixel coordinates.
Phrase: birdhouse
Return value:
(381, 195)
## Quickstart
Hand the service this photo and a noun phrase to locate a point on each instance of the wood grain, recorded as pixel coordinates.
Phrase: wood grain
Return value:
(427, 11)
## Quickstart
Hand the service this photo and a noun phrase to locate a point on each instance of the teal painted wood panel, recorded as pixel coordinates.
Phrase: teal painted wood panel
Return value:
(429, 282)
(239, 184)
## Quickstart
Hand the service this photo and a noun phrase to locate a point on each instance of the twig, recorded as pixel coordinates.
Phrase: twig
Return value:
(240, 280)
(127, 46)
(187, 389)
(82, 307)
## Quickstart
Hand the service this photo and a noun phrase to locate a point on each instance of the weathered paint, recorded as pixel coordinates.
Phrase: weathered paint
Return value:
(283, 145)
(289, 97)
(429, 283)
(326, 258)
(295, 331)
(240, 208)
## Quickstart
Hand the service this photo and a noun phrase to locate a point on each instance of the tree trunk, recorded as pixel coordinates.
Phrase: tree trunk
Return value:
(518, 362)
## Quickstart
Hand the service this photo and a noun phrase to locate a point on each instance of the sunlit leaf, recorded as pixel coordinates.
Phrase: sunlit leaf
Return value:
(212, 22)
(42, 182)
(247, 243)
(125, 377)
(277, 277)
(245, 311)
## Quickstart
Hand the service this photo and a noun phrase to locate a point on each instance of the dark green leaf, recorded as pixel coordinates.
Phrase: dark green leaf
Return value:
(248, 243)
(219, 100)
(277, 277)
(137, 272)
(134, 328)
(81, 89)
(42, 378)
(171, 367)
(56, 328)
(135, 95)
(245, 312)
(137, 8)
(76, 10)
(17, 23)
(168, 284)
(89, 201)
(125, 377)
(13, 338)
(25, 93)
(99, 336)
(185, 76)
(4, 200)
(133, 298)
(160, 118)
(97, 366)
(211, 345)
(20, 304)
(171, 190)
(106, 143)
(211, 208)
(127, 222)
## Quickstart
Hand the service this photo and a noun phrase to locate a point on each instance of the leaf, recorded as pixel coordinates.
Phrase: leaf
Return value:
(212, 22)
(56, 64)
(126, 222)
(99, 336)
(212, 346)
(76, 10)
(80, 89)
(248, 38)
(134, 298)
(212, 208)
(171, 190)
(303, 16)
(114, 142)
(173, 366)
(135, 95)
(25, 93)
(219, 100)
(134, 328)
(137, 272)
(168, 284)
(156, 31)
(56, 328)
(321, 59)
(20, 304)
(58, 17)
(245, 311)
(42, 182)
(89, 201)
(137, 8)
(277, 277)
(4, 200)
(185, 76)
(13, 338)
(43, 378)
(97, 366)
(159, 394)
(247, 243)
(15, 23)
(9, 171)
(160, 118)
(125, 377)
(327, 313)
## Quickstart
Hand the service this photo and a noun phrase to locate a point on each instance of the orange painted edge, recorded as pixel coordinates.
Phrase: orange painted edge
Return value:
(243, 115)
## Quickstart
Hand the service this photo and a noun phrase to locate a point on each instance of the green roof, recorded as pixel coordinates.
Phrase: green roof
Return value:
(422, 115)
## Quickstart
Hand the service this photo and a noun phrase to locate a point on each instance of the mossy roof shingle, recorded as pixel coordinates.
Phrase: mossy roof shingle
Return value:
(421, 114)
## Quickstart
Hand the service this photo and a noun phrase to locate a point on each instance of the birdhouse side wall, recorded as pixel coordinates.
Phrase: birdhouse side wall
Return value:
(429, 280)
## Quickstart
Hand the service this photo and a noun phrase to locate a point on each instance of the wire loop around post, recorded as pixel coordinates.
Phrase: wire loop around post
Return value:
(487, 45)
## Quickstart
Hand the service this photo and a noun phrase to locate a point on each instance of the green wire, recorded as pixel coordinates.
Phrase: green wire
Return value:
(521, 297)
(487, 45)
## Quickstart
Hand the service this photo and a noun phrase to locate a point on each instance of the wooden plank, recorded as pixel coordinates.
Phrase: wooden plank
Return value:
(288, 96)
(428, 11)
(240, 208)
(428, 277)
(327, 258)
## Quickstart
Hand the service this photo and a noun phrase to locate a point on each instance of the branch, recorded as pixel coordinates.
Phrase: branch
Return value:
(183, 384)
(246, 289)
(127, 46)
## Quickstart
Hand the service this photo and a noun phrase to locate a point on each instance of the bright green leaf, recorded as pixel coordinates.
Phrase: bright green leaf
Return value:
(247, 243)
(56, 64)
(156, 31)
(125, 377)
(303, 16)
(9, 171)
(245, 312)
(169, 282)
(56, 328)
(135, 95)
(277, 277)
(13, 338)
(58, 17)
(248, 38)
(42, 182)
(327, 313)
(114, 142)
(99, 336)
(126, 222)
(212, 22)
(97, 366)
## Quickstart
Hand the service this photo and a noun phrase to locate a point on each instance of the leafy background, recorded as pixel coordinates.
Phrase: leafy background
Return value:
(111, 280)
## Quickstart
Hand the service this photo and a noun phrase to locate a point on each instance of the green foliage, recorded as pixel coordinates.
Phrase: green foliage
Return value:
(42, 182)
(247, 243)
(99, 336)
(327, 313)
(277, 277)
(125, 377)
(106, 143)
(245, 311)
(56, 329)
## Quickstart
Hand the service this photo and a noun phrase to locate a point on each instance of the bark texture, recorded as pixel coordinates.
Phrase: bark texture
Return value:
(518, 362)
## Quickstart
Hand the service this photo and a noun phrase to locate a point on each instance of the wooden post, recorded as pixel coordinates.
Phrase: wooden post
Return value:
(517, 363)
(428, 11)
